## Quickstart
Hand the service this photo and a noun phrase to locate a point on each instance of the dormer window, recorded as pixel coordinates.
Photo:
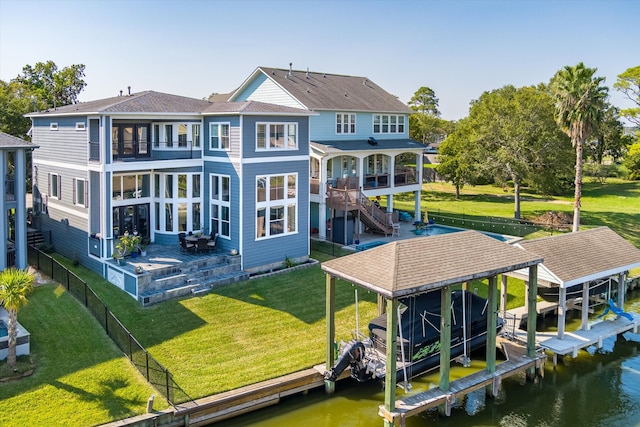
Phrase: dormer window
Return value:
(345, 123)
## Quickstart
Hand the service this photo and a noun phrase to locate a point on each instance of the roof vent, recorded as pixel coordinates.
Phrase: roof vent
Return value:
(372, 141)
(121, 92)
(291, 68)
(324, 75)
(345, 94)
(129, 89)
(307, 72)
(365, 82)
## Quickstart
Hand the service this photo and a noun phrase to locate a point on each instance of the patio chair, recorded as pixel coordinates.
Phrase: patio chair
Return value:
(201, 244)
(396, 229)
(184, 245)
(211, 244)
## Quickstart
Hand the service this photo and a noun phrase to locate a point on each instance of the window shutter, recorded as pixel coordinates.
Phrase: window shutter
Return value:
(75, 191)
(86, 193)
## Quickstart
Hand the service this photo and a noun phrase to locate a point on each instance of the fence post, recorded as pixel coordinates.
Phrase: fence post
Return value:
(106, 320)
(86, 303)
(147, 365)
(130, 352)
(167, 376)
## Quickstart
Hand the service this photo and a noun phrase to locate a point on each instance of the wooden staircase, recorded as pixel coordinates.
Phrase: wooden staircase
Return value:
(352, 200)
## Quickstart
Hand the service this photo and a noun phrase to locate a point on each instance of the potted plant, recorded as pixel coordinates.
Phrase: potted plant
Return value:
(128, 244)
(118, 255)
(143, 246)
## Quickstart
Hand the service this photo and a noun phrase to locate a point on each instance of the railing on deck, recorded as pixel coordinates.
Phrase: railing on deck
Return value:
(94, 151)
(9, 187)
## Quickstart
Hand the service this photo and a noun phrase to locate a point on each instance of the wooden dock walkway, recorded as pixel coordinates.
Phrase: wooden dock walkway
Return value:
(516, 362)
(577, 340)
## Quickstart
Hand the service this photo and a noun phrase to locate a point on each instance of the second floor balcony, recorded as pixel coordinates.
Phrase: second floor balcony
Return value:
(137, 151)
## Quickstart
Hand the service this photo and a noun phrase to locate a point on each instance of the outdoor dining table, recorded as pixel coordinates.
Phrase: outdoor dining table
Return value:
(193, 238)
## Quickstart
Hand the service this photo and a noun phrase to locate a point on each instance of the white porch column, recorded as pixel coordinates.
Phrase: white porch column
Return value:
(21, 211)
(3, 210)
(389, 202)
(417, 214)
(322, 206)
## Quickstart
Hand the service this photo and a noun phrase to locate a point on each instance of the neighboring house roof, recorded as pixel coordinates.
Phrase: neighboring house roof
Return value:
(253, 107)
(142, 102)
(220, 97)
(324, 91)
(364, 145)
(421, 264)
(575, 258)
(11, 142)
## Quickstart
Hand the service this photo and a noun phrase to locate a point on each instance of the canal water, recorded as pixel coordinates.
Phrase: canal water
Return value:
(600, 387)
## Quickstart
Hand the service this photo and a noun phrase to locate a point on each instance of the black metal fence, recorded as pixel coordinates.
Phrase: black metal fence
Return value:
(156, 374)
(498, 225)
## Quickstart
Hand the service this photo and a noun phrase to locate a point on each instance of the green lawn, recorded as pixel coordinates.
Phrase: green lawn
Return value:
(81, 377)
(238, 334)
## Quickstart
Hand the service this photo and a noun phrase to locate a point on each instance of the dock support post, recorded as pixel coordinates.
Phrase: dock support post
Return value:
(532, 315)
(584, 315)
(492, 317)
(390, 375)
(445, 342)
(621, 289)
(330, 386)
(503, 294)
(562, 310)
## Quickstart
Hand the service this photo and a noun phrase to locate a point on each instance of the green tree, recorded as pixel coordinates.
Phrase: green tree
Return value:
(456, 157)
(429, 129)
(15, 102)
(52, 86)
(608, 138)
(15, 286)
(580, 101)
(515, 134)
(629, 84)
(632, 161)
(424, 101)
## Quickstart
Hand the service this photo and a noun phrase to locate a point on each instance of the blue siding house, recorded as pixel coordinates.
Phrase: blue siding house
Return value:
(158, 165)
(360, 144)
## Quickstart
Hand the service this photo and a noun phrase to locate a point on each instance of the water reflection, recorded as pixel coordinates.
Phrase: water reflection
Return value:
(600, 387)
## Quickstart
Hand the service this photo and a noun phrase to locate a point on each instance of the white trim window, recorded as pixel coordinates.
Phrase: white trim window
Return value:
(80, 192)
(276, 205)
(195, 134)
(220, 213)
(219, 136)
(276, 136)
(53, 126)
(178, 207)
(385, 123)
(81, 126)
(345, 123)
(126, 187)
(55, 186)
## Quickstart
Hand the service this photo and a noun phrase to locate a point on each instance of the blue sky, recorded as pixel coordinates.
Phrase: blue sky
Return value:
(195, 47)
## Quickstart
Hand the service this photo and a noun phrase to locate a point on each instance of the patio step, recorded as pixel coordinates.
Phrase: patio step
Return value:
(192, 278)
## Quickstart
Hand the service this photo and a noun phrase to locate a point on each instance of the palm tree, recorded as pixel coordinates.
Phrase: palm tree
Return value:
(580, 102)
(15, 285)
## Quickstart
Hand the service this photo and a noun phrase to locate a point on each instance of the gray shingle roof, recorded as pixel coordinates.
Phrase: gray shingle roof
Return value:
(253, 107)
(575, 258)
(324, 91)
(12, 142)
(417, 265)
(363, 145)
(142, 102)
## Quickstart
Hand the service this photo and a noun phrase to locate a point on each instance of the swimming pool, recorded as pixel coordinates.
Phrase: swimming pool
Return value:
(436, 229)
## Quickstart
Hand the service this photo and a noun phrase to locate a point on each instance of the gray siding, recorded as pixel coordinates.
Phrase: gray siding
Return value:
(234, 136)
(65, 145)
(260, 253)
(230, 169)
(249, 136)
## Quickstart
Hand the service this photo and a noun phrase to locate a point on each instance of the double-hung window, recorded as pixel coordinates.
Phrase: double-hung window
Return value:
(345, 123)
(276, 205)
(55, 186)
(80, 190)
(276, 136)
(221, 205)
(219, 136)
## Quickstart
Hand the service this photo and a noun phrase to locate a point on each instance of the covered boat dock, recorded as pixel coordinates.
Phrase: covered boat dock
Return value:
(580, 260)
(435, 263)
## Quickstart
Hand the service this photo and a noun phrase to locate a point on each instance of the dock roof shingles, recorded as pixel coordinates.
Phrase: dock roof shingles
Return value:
(421, 264)
(575, 258)
(12, 142)
(324, 91)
